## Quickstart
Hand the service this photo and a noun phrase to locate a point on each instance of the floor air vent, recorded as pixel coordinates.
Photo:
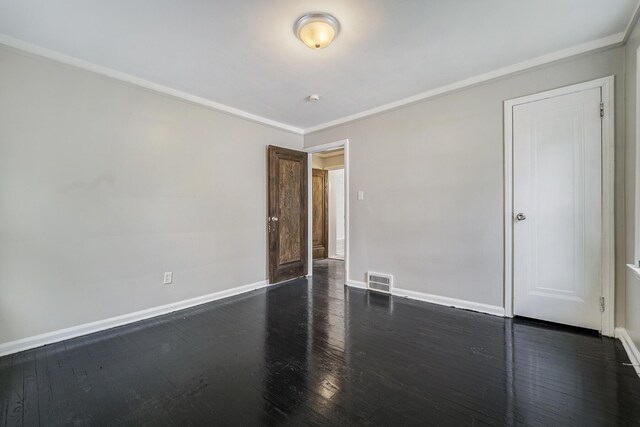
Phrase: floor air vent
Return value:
(379, 282)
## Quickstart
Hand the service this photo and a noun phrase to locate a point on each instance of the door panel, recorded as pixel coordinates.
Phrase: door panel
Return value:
(320, 221)
(557, 186)
(287, 222)
(289, 208)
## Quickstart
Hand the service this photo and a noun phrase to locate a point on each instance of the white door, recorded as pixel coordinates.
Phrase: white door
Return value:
(557, 204)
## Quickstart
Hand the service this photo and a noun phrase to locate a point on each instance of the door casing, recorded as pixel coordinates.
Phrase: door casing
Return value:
(344, 143)
(608, 237)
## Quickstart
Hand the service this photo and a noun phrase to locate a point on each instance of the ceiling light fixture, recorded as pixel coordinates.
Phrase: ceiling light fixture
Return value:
(316, 30)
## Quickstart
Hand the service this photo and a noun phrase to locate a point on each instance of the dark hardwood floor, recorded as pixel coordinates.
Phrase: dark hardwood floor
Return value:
(313, 353)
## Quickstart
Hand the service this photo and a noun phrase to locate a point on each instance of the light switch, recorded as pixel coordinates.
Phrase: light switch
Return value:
(360, 195)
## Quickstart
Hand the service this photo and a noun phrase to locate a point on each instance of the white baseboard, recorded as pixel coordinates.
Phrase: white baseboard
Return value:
(629, 347)
(436, 299)
(451, 302)
(100, 325)
(356, 284)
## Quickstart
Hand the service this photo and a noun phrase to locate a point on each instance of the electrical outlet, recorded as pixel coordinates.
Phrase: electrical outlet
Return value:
(168, 278)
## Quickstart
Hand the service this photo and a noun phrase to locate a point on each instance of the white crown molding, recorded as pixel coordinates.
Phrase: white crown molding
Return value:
(631, 24)
(112, 322)
(330, 154)
(594, 45)
(599, 44)
(630, 348)
(137, 81)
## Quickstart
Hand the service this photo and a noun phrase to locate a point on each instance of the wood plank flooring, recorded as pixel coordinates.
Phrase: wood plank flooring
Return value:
(311, 352)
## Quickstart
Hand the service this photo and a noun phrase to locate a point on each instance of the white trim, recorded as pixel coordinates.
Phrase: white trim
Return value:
(494, 310)
(450, 302)
(636, 255)
(112, 322)
(608, 135)
(594, 45)
(344, 144)
(631, 24)
(137, 81)
(507, 219)
(634, 270)
(357, 284)
(630, 347)
(603, 43)
(608, 217)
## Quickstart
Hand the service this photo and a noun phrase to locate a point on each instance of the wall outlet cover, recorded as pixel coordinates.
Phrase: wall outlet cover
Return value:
(168, 278)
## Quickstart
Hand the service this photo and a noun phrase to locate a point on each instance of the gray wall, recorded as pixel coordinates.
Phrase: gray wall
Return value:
(104, 186)
(432, 173)
(632, 303)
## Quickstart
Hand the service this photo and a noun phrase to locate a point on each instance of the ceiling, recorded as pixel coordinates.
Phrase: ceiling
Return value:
(244, 54)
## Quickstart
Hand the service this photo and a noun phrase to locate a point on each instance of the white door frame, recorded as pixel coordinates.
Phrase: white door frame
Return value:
(608, 133)
(344, 143)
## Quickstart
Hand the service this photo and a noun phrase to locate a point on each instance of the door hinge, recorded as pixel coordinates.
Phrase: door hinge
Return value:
(602, 110)
(602, 304)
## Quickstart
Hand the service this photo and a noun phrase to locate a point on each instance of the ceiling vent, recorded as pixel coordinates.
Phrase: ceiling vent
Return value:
(379, 282)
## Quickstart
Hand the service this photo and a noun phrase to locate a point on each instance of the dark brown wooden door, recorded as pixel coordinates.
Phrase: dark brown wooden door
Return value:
(320, 213)
(287, 222)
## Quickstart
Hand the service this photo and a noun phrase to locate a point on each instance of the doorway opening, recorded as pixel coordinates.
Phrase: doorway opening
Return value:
(328, 210)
